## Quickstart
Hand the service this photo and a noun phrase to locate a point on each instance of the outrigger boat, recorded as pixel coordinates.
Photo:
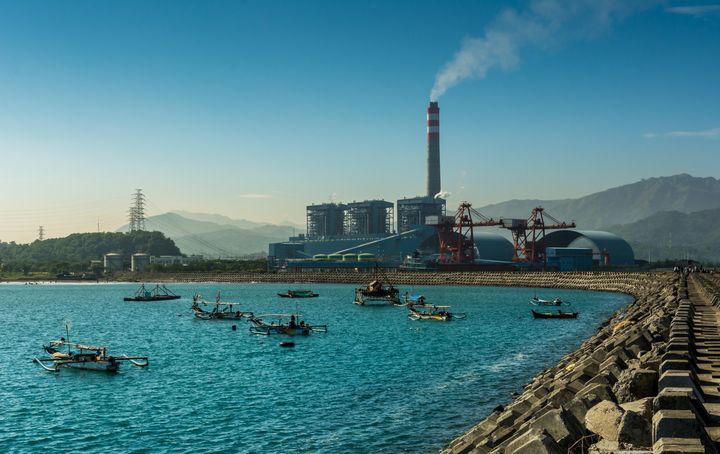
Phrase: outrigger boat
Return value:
(558, 314)
(541, 302)
(413, 301)
(376, 293)
(283, 324)
(220, 311)
(80, 356)
(298, 294)
(159, 293)
(430, 312)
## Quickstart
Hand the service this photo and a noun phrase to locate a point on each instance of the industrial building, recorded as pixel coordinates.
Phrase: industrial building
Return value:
(416, 211)
(325, 220)
(607, 248)
(339, 234)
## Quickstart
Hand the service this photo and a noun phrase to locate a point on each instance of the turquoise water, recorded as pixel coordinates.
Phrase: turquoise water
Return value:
(376, 382)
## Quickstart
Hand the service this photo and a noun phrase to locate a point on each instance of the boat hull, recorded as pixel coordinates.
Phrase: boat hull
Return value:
(554, 314)
(153, 298)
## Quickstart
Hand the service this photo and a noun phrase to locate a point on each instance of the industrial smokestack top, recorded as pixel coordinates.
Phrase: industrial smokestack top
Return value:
(433, 149)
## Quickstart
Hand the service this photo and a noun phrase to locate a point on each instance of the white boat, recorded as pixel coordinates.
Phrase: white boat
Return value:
(431, 312)
(64, 353)
(221, 310)
(283, 324)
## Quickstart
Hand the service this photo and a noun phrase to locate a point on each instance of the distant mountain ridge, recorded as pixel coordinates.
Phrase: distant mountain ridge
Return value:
(223, 238)
(674, 235)
(623, 204)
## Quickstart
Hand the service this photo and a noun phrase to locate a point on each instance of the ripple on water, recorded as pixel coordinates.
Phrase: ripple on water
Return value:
(375, 382)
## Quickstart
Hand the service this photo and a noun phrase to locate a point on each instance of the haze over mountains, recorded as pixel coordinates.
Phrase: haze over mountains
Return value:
(663, 217)
(622, 204)
(217, 236)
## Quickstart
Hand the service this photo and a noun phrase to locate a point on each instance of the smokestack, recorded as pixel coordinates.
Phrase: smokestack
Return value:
(433, 149)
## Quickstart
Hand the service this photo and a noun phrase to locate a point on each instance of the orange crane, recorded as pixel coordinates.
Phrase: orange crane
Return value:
(457, 241)
(528, 234)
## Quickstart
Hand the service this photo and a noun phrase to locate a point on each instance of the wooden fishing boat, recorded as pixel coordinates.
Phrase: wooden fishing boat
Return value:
(159, 293)
(377, 294)
(413, 300)
(301, 293)
(64, 353)
(535, 301)
(432, 312)
(283, 324)
(218, 310)
(558, 314)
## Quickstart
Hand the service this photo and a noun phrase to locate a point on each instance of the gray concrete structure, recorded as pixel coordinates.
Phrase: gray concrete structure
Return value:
(371, 217)
(325, 220)
(112, 262)
(139, 262)
(415, 211)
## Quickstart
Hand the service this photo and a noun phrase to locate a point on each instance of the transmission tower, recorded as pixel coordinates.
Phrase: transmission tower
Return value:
(137, 211)
(41, 233)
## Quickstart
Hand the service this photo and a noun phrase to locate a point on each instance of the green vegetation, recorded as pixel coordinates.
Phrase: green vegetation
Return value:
(74, 252)
(215, 266)
(675, 235)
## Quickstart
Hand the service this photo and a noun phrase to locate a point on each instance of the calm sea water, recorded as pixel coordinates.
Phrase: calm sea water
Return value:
(376, 382)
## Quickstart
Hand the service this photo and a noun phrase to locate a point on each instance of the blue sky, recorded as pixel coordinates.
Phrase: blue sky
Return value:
(255, 109)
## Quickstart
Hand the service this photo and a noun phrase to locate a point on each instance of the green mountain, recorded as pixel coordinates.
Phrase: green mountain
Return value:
(216, 236)
(674, 235)
(623, 204)
(79, 248)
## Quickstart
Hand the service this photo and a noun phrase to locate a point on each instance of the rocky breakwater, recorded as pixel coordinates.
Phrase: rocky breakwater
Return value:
(632, 387)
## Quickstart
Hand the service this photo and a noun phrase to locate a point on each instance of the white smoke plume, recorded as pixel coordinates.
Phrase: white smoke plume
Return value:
(442, 195)
(544, 25)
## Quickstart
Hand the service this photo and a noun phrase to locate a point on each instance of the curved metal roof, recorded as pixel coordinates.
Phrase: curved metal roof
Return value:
(492, 246)
(619, 250)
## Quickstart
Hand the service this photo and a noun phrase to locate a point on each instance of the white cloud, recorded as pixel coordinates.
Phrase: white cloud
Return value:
(706, 134)
(256, 196)
(696, 10)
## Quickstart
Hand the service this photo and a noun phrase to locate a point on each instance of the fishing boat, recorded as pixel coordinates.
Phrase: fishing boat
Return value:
(218, 310)
(535, 301)
(159, 293)
(283, 324)
(432, 312)
(64, 353)
(558, 314)
(413, 300)
(377, 293)
(299, 294)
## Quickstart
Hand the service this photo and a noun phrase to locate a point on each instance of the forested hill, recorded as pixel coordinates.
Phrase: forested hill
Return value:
(80, 248)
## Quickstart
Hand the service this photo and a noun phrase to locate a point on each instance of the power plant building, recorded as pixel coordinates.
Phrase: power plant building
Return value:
(326, 220)
(371, 217)
(338, 232)
(415, 211)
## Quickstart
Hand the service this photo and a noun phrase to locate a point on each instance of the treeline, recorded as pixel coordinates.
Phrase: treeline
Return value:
(214, 266)
(74, 252)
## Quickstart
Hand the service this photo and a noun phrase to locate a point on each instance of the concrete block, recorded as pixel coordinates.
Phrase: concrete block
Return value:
(676, 424)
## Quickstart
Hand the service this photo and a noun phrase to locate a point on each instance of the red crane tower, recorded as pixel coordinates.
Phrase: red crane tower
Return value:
(457, 241)
(528, 234)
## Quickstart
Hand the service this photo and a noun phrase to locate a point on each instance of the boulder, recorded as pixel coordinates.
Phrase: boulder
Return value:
(635, 430)
(604, 419)
(636, 384)
(642, 406)
(561, 425)
(534, 441)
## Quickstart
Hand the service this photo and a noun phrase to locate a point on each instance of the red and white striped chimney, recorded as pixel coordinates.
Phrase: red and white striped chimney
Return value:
(433, 149)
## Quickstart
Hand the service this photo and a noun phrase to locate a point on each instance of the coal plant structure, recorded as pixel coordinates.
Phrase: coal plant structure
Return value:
(433, 149)
(368, 233)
